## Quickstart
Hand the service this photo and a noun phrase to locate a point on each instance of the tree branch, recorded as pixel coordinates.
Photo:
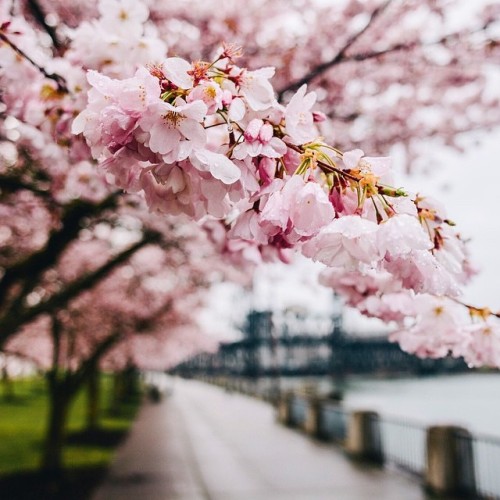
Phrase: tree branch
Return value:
(30, 269)
(341, 57)
(60, 81)
(22, 355)
(321, 68)
(91, 362)
(39, 16)
(19, 315)
(11, 184)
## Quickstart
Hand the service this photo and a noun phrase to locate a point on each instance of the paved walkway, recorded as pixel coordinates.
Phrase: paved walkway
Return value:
(205, 444)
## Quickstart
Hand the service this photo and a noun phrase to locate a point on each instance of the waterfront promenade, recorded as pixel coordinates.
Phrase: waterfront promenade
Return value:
(203, 443)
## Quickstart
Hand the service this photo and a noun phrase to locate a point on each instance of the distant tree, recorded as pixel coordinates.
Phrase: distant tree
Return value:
(139, 307)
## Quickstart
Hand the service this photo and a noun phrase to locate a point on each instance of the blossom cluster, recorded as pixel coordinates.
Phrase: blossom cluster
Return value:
(426, 325)
(209, 139)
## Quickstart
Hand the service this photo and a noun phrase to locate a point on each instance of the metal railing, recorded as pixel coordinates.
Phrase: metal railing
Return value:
(483, 475)
(403, 444)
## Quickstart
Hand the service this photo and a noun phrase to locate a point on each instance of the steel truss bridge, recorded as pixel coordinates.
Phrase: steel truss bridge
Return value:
(295, 345)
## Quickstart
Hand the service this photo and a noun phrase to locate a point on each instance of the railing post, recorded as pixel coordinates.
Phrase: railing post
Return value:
(312, 422)
(450, 461)
(283, 409)
(363, 436)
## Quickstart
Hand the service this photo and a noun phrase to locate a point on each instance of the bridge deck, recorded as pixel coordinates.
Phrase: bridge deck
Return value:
(203, 443)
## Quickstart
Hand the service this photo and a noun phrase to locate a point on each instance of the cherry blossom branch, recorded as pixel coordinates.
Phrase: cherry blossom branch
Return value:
(20, 314)
(60, 81)
(321, 68)
(265, 172)
(328, 168)
(20, 354)
(364, 56)
(481, 312)
(31, 268)
(11, 184)
(342, 57)
(93, 359)
(38, 13)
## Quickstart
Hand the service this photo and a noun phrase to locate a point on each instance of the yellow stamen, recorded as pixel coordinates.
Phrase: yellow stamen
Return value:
(210, 92)
(173, 118)
(438, 310)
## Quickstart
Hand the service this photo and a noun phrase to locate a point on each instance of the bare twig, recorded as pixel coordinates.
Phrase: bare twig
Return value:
(60, 81)
(321, 68)
(40, 17)
(342, 57)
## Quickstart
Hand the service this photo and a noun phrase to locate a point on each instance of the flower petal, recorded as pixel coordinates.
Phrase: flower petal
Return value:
(176, 70)
(221, 167)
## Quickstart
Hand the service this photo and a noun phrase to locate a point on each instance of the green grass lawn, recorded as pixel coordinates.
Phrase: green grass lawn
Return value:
(22, 425)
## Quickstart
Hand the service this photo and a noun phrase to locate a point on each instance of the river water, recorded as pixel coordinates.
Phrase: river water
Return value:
(469, 400)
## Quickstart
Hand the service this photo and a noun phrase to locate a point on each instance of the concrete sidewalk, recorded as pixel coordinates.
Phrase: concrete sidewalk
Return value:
(203, 443)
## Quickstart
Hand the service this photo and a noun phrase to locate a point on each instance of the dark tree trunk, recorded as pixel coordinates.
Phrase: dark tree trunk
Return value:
(131, 383)
(125, 388)
(60, 398)
(63, 386)
(8, 386)
(93, 400)
(117, 393)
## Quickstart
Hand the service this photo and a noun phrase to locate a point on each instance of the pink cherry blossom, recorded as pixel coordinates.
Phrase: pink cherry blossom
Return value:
(419, 270)
(380, 166)
(344, 243)
(267, 170)
(259, 141)
(436, 329)
(127, 40)
(296, 211)
(256, 89)
(212, 95)
(310, 208)
(114, 109)
(299, 119)
(390, 307)
(356, 285)
(219, 165)
(123, 16)
(174, 131)
(401, 234)
(237, 109)
(248, 227)
(481, 345)
(177, 70)
(180, 188)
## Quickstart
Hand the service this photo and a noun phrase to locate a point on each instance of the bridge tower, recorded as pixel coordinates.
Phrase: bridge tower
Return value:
(337, 341)
(257, 333)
